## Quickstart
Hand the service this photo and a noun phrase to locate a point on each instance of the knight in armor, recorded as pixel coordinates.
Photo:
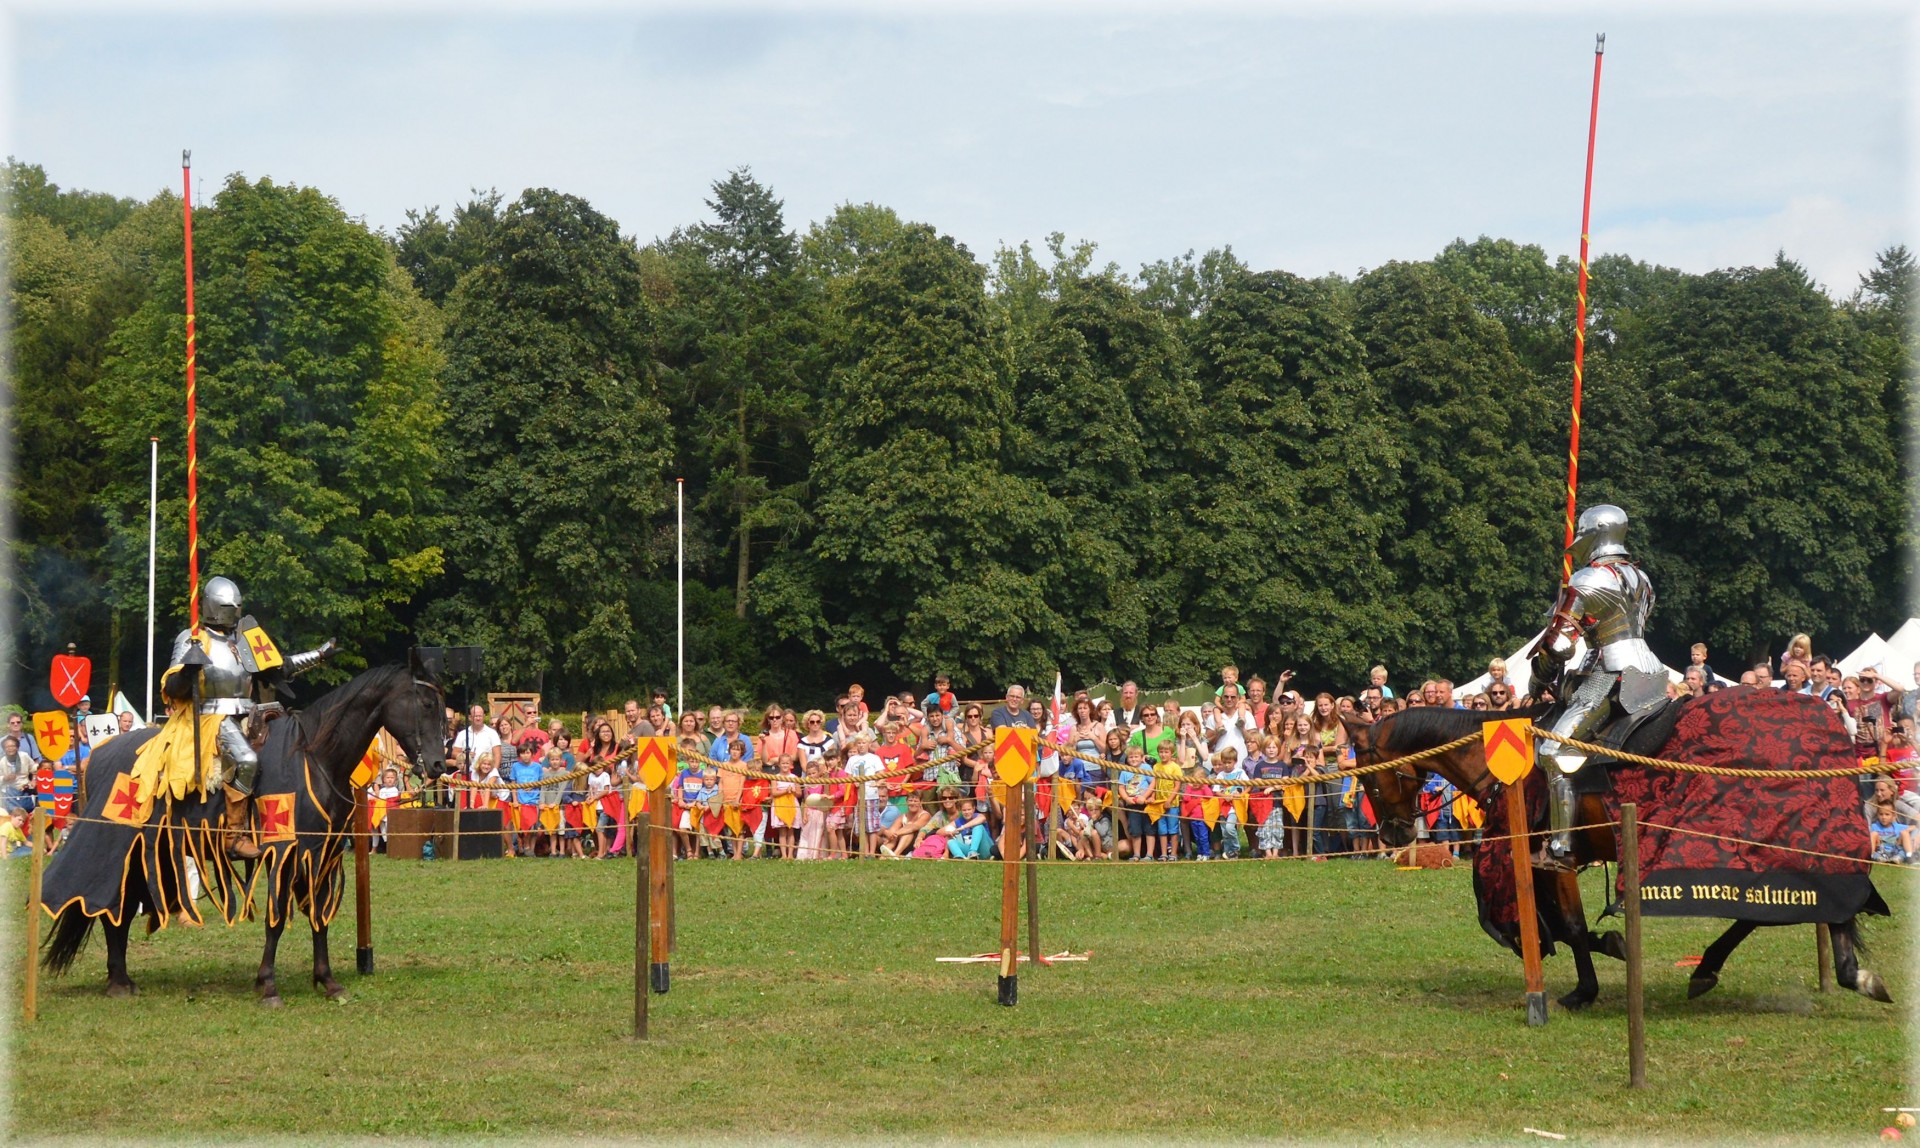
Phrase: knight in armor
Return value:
(1607, 603)
(214, 668)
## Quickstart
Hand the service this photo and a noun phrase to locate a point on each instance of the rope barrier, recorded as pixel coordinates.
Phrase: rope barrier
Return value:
(1716, 770)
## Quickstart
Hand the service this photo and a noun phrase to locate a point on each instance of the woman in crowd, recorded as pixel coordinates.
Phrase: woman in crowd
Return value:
(898, 840)
(1089, 737)
(814, 740)
(978, 742)
(938, 835)
(776, 738)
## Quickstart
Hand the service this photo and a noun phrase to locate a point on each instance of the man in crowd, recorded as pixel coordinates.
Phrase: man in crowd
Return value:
(1229, 724)
(1127, 713)
(1501, 697)
(1798, 679)
(1695, 682)
(477, 744)
(1014, 711)
(16, 728)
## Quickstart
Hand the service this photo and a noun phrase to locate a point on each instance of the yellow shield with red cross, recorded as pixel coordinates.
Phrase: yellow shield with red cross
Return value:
(53, 733)
(266, 655)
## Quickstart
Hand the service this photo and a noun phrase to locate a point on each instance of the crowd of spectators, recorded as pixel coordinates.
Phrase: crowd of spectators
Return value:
(1134, 779)
(1107, 763)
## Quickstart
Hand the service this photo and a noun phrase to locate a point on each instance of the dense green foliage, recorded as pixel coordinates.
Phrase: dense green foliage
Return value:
(900, 458)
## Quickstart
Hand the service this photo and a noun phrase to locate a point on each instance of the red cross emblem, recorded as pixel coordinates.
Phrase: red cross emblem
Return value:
(261, 646)
(123, 803)
(276, 817)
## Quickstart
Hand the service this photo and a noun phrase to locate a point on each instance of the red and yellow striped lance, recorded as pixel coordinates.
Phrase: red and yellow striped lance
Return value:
(193, 454)
(1580, 316)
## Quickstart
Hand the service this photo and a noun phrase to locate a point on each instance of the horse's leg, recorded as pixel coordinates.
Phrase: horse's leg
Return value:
(263, 980)
(1707, 973)
(119, 984)
(323, 967)
(1573, 922)
(1847, 969)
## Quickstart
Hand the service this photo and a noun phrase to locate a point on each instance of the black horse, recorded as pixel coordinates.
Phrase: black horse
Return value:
(304, 800)
(1557, 892)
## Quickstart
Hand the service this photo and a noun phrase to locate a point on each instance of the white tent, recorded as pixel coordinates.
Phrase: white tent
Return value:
(1903, 650)
(1866, 654)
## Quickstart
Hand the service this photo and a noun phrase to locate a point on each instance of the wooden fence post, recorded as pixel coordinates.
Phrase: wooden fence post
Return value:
(1011, 831)
(1636, 985)
(30, 984)
(1823, 954)
(1525, 906)
(659, 848)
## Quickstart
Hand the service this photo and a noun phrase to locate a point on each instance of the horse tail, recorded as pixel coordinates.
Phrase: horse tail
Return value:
(70, 932)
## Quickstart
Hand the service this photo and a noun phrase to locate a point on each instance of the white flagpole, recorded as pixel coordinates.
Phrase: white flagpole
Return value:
(153, 535)
(680, 594)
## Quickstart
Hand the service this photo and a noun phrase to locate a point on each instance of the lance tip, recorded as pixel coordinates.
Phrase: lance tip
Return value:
(1600, 44)
(186, 157)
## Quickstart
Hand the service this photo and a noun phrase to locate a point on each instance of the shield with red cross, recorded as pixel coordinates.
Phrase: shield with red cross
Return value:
(125, 803)
(276, 817)
(264, 654)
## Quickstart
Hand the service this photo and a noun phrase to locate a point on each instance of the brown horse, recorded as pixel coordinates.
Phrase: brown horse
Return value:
(1557, 891)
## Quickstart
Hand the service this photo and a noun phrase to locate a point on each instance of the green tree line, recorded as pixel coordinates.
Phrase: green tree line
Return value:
(900, 458)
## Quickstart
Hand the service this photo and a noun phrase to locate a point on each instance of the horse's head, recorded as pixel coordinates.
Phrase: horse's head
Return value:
(416, 717)
(1392, 791)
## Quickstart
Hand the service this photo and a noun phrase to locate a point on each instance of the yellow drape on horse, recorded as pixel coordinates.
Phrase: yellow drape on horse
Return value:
(165, 763)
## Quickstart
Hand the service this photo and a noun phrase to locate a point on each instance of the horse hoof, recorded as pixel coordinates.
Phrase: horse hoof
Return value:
(1700, 984)
(119, 990)
(335, 991)
(273, 1001)
(1613, 945)
(1868, 984)
(1574, 1002)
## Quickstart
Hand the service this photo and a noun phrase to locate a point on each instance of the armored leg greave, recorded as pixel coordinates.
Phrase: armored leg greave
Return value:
(239, 765)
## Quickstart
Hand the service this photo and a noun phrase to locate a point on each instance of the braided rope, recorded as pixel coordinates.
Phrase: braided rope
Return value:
(1718, 770)
(1302, 780)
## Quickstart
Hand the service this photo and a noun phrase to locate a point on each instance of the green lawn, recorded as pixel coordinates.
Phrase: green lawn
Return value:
(1230, 1000)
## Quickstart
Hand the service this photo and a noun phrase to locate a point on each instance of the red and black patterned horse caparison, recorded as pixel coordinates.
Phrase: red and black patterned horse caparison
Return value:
(1774, 851)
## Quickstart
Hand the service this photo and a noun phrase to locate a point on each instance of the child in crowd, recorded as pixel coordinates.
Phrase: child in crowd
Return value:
(840, 818)
(1892, 840)
(969, 840)
(1227, 769)
(1136, 788)
(526, 802)
(866, 763)
(1196, 800)
(13, 837)
(815, 803)
(783, 807)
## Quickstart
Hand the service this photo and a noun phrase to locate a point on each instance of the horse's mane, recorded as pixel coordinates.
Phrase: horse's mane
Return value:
(323, 724)
(1437, 725)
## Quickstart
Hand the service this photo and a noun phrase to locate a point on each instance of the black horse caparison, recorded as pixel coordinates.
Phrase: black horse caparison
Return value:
(113, 873)
(1395, 791)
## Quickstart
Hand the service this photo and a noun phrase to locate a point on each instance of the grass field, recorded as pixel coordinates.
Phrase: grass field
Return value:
(1227, 1001)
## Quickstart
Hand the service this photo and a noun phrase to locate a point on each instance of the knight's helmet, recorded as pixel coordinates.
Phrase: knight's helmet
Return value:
(1600, 533)
(220, 603)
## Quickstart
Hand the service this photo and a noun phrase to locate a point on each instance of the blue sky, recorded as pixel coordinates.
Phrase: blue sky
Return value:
(1309, 139)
